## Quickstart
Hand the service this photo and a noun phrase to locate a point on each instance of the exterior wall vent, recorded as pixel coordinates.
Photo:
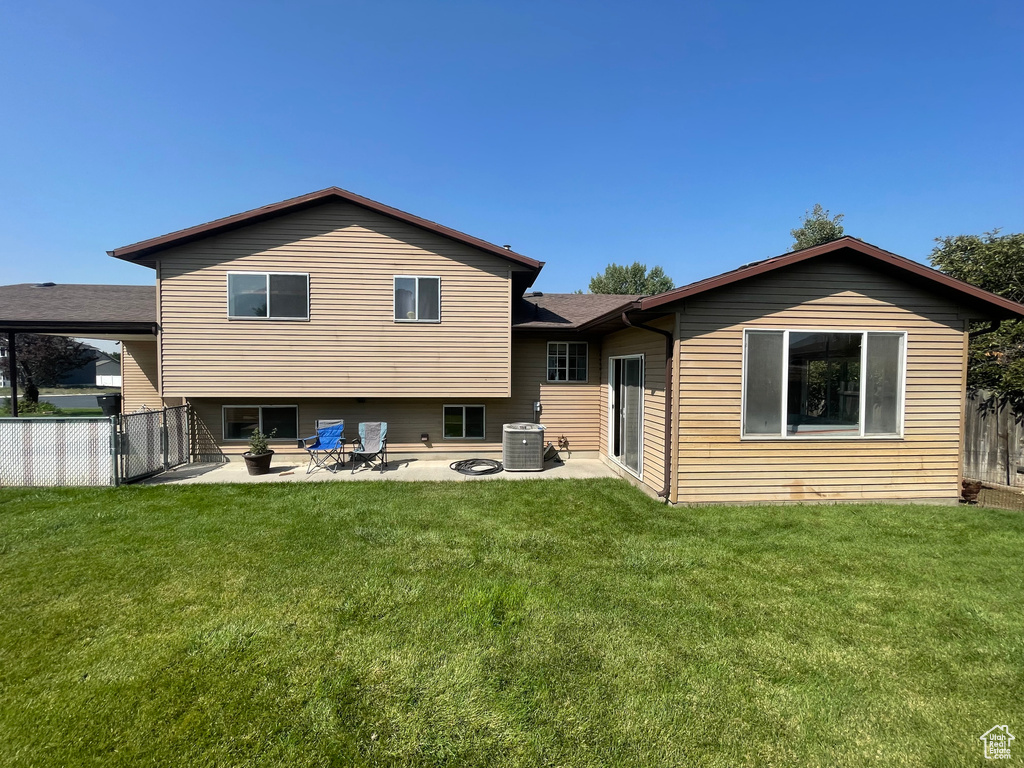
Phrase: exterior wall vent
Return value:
(522, 447)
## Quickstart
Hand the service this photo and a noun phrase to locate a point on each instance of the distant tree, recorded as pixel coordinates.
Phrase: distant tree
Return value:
(634, 279)
(818, 228)
(996, 263)
(44, 360)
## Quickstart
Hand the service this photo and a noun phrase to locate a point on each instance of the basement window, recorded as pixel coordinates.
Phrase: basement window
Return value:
(823, 384)
(464, 422)
(240, 421)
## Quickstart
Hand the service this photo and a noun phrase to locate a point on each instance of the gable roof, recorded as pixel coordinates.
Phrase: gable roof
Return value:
(142, 251)
(991, 305)
(566, 311)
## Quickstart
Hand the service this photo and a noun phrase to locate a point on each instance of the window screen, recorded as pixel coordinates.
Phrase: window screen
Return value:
(882, 391)
(763, 383)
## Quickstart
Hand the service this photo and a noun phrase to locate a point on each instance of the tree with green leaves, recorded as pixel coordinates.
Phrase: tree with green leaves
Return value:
(996, 263)
(817, 228)
(632, 280)
(44, 360)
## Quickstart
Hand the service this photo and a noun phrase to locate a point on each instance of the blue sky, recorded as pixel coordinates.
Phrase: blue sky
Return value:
(690, 135)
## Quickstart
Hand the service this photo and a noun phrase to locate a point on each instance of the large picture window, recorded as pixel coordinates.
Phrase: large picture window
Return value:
(463, 422)
(567, 361)
(268, 295)
(417, 299)
(240, 421)
(826, 384)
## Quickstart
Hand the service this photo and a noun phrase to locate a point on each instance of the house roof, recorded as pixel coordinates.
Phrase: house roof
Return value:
(142, 252)
(80, 310)
(567, 311)
(988, 303)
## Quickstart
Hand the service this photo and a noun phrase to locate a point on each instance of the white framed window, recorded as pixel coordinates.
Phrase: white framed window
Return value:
(417, 299)
(567, 361)
(824, 384)
(464, 422)
(240, 421)
(268, 295)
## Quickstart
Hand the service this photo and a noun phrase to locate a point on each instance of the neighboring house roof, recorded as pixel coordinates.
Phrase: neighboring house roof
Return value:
(566, 311)
(78, 310)
(991, 305)
(139, 252)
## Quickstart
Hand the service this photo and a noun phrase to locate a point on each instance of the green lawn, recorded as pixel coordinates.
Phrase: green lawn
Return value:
(561, 623)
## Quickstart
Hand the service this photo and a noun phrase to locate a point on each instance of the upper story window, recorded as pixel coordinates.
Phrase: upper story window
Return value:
(417, 299)
(269, 295)
(567, 361)
(823, 384)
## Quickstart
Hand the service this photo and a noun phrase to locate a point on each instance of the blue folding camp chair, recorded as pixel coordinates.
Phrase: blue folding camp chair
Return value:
(373, 444)
(327, 447)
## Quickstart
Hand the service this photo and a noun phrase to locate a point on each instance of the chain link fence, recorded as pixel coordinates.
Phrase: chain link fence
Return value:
(43, 452)
(93, 451)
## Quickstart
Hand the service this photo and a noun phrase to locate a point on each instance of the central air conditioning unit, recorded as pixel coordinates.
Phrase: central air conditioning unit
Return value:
(522, 447)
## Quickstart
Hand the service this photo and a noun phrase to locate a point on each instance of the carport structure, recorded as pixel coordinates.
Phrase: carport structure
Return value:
(114, 312)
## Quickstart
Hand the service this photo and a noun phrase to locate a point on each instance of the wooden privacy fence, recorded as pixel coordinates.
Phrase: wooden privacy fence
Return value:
(993, 439)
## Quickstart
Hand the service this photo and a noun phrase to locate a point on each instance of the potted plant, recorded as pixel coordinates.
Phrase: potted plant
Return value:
(257, 458)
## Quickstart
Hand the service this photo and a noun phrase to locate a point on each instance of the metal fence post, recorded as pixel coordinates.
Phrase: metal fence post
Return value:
(164, 443)
(115, 451)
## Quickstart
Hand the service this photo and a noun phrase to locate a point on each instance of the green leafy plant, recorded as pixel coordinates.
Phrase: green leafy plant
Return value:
(818, 227)
(258, 442)
(634, 279)
(26, 407)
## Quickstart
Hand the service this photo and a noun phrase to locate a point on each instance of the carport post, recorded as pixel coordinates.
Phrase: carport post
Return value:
(12, 363)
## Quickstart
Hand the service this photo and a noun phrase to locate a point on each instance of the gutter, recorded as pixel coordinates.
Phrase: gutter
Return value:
(992, 327)
(669, 344)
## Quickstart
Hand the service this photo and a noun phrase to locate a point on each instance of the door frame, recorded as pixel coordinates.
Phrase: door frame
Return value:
(612, 396)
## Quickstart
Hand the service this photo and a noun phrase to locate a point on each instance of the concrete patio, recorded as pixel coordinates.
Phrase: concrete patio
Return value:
(292, 469)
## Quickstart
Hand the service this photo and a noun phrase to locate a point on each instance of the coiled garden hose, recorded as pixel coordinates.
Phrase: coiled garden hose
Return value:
(477, 466)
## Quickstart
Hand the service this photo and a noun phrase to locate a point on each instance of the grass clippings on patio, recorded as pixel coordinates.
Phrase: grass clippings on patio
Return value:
(531, 623)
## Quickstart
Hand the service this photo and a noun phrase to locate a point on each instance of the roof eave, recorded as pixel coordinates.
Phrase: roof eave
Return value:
(995, 306)
(138, 252)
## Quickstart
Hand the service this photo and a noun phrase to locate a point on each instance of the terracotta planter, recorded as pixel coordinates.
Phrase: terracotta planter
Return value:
(258, 465)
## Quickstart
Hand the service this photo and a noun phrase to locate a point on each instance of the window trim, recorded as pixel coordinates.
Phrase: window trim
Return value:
(416, 298)
(586, 357)
(464, 406)
(902, 394)
(227, 292)
(260, 406)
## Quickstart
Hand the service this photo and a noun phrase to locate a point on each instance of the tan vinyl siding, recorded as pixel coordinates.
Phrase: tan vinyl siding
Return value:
(139, 382)
(635, 341)
(570, 410)
(716, 465)
(351, 346)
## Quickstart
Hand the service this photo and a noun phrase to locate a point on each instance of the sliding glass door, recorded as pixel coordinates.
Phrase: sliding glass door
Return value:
(626, 405)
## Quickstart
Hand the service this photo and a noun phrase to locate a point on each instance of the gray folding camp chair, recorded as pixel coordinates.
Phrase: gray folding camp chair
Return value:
(372, 444)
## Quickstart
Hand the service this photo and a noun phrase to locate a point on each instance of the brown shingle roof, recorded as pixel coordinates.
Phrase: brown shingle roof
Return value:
(76, 308)
(566, 311)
